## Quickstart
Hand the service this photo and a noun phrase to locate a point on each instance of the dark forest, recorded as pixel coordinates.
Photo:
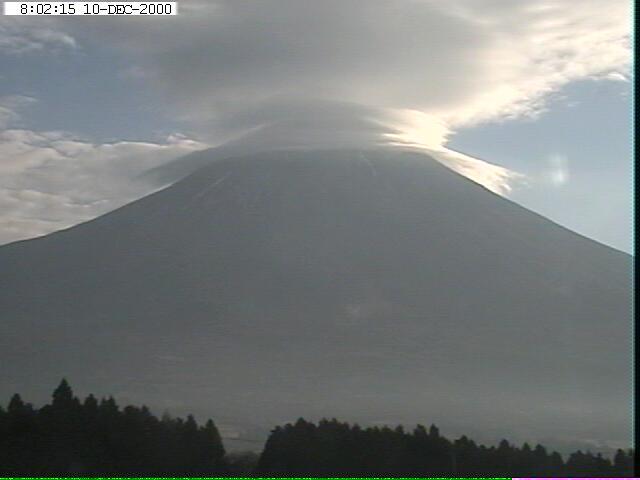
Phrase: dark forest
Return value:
(99, 438)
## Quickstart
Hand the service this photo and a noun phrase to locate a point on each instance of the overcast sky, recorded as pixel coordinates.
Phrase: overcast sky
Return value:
(537, 94)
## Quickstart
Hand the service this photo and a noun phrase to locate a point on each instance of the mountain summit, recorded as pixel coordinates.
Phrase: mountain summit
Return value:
(374, 286)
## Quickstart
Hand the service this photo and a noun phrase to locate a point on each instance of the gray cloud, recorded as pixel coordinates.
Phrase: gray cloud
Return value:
(9, 107)
(409, 73)
(302, 73)
(465, 61)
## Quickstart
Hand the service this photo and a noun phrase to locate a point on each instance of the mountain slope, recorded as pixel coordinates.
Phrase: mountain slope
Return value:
(373, 286)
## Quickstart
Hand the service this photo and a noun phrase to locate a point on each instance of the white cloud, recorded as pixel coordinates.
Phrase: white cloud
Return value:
(51, 180)
(498, 179)
(419, 131)
(24, 35)
(535, 48)
(616, 77)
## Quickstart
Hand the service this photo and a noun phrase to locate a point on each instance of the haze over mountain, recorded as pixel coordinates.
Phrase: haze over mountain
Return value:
(370, 285)
(329, 125)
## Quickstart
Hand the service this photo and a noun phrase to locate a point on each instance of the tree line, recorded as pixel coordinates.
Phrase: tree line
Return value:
(335, 448)
(98, 438)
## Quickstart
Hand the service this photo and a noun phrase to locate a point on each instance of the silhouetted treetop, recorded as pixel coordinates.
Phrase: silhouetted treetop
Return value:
(62, 395)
